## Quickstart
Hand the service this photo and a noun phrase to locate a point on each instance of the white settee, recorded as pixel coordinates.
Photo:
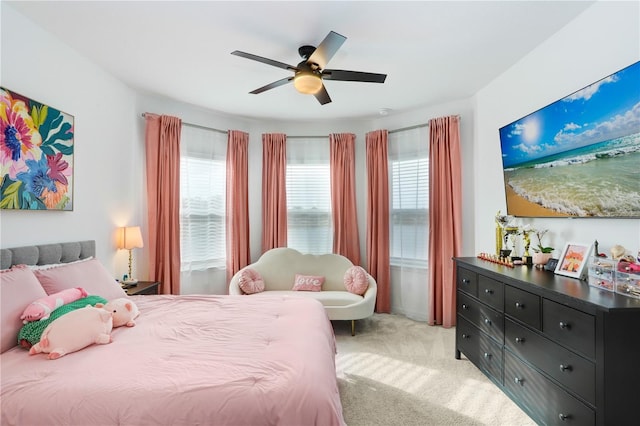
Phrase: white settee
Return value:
(278, 267)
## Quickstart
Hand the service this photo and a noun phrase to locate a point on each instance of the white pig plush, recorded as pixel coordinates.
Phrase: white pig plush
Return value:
(75, 330)
(124, 311)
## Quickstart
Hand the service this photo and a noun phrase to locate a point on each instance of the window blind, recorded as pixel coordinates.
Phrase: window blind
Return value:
(308, 180)
(202, 199)
(409, 197)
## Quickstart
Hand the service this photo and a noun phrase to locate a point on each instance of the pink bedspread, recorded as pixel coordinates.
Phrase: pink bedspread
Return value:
(207, 360)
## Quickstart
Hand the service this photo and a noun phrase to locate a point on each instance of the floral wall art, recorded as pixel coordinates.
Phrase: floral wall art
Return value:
(36, 155)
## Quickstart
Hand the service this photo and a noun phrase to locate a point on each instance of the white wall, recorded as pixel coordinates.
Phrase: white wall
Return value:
(602, 40)
(37, 65)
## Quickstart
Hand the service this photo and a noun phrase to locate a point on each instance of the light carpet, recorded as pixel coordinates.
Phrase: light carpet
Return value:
(396, 371)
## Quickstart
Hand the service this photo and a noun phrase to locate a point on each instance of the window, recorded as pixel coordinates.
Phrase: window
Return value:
(202, 198)
(309, 223)
(409, 197)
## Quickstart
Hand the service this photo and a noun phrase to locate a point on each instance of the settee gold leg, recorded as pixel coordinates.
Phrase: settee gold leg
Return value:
(353, 327)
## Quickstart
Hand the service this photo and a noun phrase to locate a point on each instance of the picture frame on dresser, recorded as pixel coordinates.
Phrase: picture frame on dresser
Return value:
(573, 260)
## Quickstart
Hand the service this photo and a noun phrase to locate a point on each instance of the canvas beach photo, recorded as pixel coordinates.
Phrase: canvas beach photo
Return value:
(578, 156)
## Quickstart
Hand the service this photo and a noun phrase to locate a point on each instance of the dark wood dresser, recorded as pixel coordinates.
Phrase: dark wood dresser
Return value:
(565, 352)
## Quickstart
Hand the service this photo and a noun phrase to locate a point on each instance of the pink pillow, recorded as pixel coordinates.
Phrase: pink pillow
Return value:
(356, 280)
(90, 275)
(18, 288)
(250, 281)
(308, 283)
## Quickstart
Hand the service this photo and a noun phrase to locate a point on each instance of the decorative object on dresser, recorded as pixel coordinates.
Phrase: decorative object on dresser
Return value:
(129, 237)
(560, 349)
(601, 272)
(573, 260)
(502, 223)
(38, 165)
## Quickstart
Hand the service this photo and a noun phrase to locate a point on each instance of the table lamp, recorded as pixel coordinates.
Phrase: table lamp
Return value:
(130, 237)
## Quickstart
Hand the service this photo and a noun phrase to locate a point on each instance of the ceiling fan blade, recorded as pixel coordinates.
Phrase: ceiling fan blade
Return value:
(322, 96)
(264, 60)
(343, 75)
(325, 50)
(272, 85)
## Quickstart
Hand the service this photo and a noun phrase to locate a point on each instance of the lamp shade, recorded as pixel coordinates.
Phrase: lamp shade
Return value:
(130, 237)
(307, 82)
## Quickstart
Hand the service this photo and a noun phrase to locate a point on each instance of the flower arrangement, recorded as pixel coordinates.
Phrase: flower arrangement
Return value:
(540, 248)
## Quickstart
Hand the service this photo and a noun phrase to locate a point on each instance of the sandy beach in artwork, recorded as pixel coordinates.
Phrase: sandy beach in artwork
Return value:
(519, 206)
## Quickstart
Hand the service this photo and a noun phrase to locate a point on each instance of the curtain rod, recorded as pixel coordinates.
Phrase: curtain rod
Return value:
(308, 137)
(417, 126)
(198, 126)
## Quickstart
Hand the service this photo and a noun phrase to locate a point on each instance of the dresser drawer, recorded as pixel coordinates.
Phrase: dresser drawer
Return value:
(570, 327)
(522, 305)
(482, 316)
(545, 401)
(468, 339)
(467, 281)
(479, 348)
(575, 373)
(491, 292)
(490, 357)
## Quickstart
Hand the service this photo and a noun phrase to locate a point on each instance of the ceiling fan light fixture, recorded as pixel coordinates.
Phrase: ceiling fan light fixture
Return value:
(307, 82)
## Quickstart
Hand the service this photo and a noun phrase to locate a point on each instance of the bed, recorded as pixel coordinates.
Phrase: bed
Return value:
(192, 359)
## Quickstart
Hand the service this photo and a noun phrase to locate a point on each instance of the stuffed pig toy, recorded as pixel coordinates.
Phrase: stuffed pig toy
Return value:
(73, 331)
(42, 308)
(124, 311)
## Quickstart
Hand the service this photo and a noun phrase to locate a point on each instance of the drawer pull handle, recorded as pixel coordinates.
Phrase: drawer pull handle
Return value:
(565, 367)
(465, 336)
(465, 281)
(564, 417)
(487, 321)
(519, 339)
(564, 325)
(465, 306)
(518, 380)
(487, 355)
(488, 291)
(519, 305)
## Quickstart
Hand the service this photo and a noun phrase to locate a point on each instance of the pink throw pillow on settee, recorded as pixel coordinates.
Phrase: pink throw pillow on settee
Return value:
(356, 280)
(250, 281)
(308, 283)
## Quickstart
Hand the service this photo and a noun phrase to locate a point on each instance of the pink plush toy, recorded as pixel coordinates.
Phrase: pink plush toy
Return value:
(42, 308)
(73, 331)
(124, 311)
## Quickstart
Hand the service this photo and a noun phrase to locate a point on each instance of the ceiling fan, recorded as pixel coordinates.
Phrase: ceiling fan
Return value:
(310, 72)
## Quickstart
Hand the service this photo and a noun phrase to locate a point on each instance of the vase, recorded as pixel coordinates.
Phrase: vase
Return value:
(541, 259)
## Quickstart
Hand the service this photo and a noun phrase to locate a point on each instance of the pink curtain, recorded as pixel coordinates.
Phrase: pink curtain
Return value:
(343, 196)
(274, 194)
(162, 144)
(445, 201)
(237, 205)
(378, 263)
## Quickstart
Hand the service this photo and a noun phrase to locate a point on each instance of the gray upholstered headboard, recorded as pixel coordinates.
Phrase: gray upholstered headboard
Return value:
(46, 254)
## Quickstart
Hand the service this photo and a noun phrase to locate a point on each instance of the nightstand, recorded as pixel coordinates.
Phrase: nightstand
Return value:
(143, 287)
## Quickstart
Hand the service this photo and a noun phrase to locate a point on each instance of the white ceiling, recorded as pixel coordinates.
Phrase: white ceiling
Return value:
(432, 51)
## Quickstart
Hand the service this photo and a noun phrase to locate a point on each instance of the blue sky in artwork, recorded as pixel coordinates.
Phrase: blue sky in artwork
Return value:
(604, 110)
